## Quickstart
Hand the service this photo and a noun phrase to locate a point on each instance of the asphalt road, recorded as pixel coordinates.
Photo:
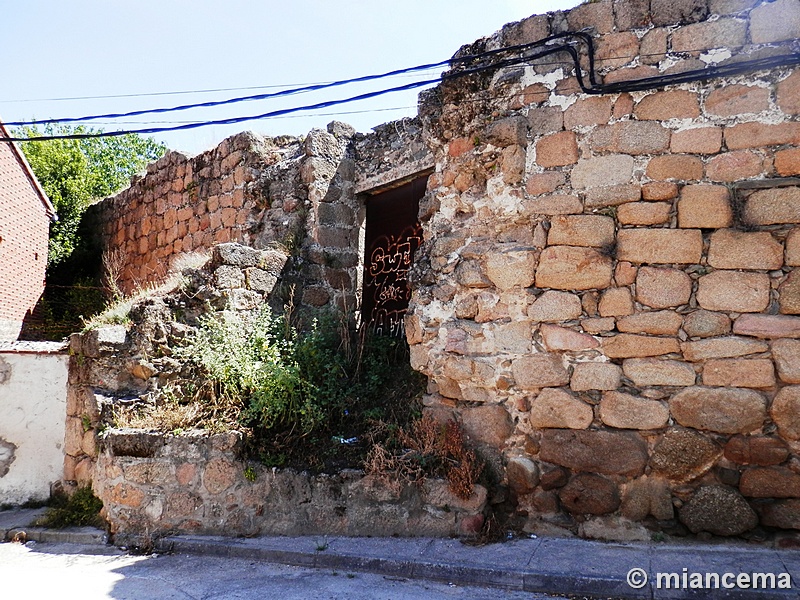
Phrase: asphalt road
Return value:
(39, 571)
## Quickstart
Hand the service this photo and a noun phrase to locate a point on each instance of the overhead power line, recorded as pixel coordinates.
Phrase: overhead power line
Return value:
(541, 49)
(150, 94)
(229, 121)
(170, 93)
(305, 88)
(212, 103)
(323, 114)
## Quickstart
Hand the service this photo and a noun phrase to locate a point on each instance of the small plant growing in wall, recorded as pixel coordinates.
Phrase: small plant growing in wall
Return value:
(86, 423)
(250, 473)
(192, 189)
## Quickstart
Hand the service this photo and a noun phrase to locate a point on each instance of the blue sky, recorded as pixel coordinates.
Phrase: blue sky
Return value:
(55, 49)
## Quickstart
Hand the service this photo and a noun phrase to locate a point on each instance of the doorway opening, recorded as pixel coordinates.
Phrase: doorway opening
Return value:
(393, 233)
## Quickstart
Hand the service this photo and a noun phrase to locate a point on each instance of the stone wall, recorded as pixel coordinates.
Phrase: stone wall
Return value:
(118, 365)
(391, 155)
(33, 390)
(606, 296)
(185, 204)
(302, 195)
(153, 485)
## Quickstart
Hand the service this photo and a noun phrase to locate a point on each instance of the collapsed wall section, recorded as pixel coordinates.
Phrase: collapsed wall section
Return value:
(184, 204)
(153, 483)
(606, 296)
(291, 193)
(305, 195)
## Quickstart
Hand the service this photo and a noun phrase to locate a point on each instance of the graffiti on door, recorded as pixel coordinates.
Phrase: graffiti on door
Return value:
(393, 235)
(389, 263)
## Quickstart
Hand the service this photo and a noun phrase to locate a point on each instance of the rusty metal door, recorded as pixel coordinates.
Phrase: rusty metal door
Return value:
(393, 234)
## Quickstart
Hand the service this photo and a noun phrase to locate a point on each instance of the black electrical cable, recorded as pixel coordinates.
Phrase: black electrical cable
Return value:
(304, 88)
(328, 114)
(229, 121)
(212, 103)
(319, 86)
(457, 72)
(276, 113)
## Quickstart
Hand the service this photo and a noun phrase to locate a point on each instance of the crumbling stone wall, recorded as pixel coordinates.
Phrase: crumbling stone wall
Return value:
(116, 365)
(155, 484)
(606, 296)
(185, 204)
(305, 195)
(249, 189)
(152, 484)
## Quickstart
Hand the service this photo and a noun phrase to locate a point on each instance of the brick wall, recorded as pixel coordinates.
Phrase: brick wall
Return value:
(24, 227)
(606, 297)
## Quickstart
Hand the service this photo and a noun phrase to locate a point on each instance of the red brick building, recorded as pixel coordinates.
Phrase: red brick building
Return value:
(25, 215)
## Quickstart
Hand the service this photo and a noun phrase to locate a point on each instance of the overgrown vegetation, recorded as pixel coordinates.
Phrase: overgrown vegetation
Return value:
(80, 509)
(75, 173)
(318, 398)
(426, 448)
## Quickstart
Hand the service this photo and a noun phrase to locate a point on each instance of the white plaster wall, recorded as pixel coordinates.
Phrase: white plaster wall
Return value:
(33, 398)
(9, 330)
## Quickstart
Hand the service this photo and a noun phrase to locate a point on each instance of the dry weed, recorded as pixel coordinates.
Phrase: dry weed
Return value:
(465, 466)
(178, 409)
(392, 470)
(430, 449)
(113, 264)
(189, 260)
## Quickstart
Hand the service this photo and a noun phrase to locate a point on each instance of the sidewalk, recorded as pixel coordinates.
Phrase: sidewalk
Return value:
(550, 565)
(14, 521)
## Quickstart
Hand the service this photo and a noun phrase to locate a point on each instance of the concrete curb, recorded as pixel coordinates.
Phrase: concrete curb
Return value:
(327, 559)
(14, 524)
(553, 566)
(545, 565)
(87, 536)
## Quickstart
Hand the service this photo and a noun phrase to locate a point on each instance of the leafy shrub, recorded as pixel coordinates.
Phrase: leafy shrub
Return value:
(80, 509)
(252, 362)
(314, 399)
(76, 172)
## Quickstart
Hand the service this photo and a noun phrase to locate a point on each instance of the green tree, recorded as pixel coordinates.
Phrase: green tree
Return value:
(75, 173)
